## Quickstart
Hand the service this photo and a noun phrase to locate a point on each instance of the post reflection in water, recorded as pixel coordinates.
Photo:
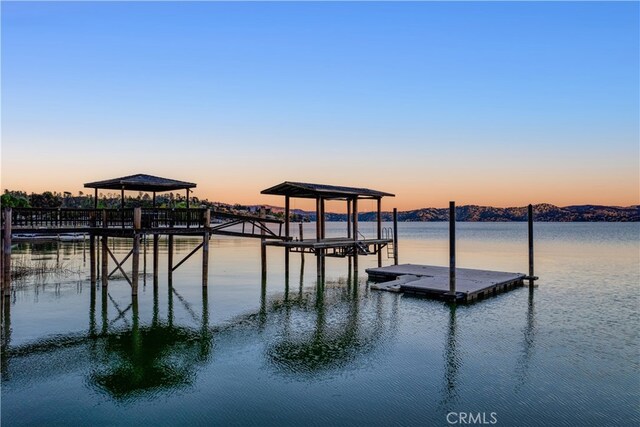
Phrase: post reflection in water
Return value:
(453, 359)
(453, 362)
(147, 359)
(262, 314)
(6, 335)
(104, 310)
(92, 312)
(319, 330)
(522, 365)
(334, 336)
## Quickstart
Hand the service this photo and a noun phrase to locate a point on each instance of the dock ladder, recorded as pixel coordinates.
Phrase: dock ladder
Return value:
(387, 233)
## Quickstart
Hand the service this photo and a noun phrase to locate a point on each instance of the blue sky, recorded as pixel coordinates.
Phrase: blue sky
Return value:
(486, 103)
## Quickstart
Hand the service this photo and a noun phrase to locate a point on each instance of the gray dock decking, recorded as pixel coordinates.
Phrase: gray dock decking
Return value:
(433, 281)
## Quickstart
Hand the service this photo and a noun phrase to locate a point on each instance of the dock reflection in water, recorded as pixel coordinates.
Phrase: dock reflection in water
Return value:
(332, 333)
(316, 331)
(152, 358)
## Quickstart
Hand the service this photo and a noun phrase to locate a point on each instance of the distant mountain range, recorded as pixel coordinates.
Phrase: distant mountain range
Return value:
(542, 212)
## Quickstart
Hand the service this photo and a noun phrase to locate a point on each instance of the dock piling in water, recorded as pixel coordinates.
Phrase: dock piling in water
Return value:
(135, 264)
(263, 248)
(6, 253)
(530, 223)
(205, 248)
(92, 259)
(395, 236)
(170, 256)
(156, 245)
(105, 263)
(379, 229)
(287, 235)
(452, 247)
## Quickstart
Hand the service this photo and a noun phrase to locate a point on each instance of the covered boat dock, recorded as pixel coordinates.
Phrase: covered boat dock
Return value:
(353, 244)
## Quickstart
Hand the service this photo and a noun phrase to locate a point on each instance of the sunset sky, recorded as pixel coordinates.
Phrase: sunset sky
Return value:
(495, 103)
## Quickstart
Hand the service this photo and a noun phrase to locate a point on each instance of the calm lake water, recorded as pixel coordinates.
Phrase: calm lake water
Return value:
(244, 353)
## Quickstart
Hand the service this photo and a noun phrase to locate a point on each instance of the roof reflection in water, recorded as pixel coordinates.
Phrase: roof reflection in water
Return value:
(148, 360)
(333, 333)
(309, 332)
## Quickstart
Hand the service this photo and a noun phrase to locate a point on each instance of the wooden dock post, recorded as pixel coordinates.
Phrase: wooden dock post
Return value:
(205, 248)
(97, 257)
(348, 218)
(170, 256)
(122, 205)
(263, 247)
(323, 266)
(156, 245)
(530, 221)
(355, 262)
(301, 232)
(92, 259)
(144, 258)
(135, 263)
(354, 205)
(379, 229)
(318, 231)
(287, 233)
(355, 218)
(318, 252)
(6, 253)
(319, 267)
(105, 262)
(322, 220)
(105, 256)
(395, 236)
(452, 247)
(323, 224)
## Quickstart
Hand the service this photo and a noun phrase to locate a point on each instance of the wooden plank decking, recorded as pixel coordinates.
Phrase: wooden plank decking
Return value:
(433, 281)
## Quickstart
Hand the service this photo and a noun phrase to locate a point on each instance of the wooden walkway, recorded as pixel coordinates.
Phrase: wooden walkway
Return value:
(119, 222)
(433, 281)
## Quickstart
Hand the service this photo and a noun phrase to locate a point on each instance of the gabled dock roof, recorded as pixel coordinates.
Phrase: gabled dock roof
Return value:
(141, 182)
(312, 191)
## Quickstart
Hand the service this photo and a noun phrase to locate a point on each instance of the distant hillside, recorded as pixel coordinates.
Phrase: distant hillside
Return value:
(542, 212)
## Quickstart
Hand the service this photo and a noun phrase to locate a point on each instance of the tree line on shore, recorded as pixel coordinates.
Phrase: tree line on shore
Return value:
(109, 200)
(53, 199)
(543, 212)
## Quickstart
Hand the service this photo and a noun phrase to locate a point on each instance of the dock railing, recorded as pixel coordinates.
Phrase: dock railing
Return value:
(63, 218)
(40, 220)
(71, 218)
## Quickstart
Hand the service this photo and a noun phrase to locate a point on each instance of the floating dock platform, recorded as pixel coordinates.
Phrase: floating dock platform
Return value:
(433, 281)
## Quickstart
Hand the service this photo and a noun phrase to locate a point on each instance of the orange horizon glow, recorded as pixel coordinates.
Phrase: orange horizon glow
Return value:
(481, 191)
